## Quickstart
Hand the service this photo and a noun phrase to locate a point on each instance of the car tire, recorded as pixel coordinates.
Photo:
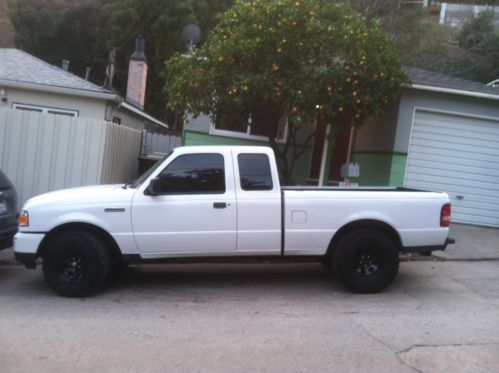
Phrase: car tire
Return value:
(366, 260)
(326, 263)
(76, 264)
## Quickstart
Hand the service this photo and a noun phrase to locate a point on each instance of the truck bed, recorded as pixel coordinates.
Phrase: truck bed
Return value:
(311, 213)
(353, 189)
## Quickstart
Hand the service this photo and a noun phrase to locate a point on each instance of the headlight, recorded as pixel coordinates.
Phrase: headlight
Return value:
(3, 207)
(24, 219)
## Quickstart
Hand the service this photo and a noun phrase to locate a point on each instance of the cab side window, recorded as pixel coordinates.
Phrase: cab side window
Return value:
(194, 174)
(254, 170)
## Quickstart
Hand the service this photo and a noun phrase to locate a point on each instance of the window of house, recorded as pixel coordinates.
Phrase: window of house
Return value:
(194, 174)
(45, 110)
(254, 171)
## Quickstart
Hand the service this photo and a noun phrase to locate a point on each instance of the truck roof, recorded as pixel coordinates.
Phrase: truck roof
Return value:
(239, 148)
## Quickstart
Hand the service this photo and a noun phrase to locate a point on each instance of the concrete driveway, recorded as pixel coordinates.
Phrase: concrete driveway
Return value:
(472, 243)
(440, 315)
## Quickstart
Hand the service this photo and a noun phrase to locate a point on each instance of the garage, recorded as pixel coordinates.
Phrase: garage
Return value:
(458, 154)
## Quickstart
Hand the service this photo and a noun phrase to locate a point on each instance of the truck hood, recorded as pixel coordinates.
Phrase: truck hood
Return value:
(83, 196)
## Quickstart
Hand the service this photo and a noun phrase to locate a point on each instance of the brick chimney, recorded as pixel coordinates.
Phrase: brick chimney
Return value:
(137, 75)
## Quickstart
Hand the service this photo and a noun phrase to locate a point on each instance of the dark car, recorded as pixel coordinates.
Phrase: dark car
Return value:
(8, 212)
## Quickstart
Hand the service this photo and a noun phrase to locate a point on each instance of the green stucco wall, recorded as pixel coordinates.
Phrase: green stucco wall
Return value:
(302, 168)
(380, 168)
(193, 138)
(397, 172)
(376, 168)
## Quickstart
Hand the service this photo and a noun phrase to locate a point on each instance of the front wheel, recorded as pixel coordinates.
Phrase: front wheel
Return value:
(76, 264)
(366, 260)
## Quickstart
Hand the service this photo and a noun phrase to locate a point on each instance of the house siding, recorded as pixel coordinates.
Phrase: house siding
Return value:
(373, 150)
(380, 168)
(375, 168)
(412, 99)
(129, 120)
(381, 145)
(86, 107)
(378, 134)
(192, 138)
(397, 171)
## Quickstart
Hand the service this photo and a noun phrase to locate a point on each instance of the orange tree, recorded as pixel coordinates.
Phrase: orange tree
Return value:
(288, 63)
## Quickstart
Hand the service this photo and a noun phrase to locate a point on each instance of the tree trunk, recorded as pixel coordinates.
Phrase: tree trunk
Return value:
(287, 153)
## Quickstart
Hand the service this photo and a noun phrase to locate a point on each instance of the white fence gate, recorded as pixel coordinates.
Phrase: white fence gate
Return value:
(456, 15)
(45, 152)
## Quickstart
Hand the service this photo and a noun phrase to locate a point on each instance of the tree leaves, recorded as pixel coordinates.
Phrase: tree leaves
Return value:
(300, 60)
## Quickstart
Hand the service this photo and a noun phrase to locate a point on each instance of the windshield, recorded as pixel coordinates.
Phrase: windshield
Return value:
(146, 174)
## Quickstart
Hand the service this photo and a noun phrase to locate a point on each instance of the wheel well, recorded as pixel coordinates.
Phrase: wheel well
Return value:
(103, 235)
(363, 224)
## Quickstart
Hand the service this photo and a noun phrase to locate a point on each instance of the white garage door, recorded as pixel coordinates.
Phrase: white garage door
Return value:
(458, 155)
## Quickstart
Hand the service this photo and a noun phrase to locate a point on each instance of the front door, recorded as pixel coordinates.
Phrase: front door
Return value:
(195, 211)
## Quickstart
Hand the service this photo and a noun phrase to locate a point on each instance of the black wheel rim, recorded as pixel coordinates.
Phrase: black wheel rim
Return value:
(367, 263)
(72, 268)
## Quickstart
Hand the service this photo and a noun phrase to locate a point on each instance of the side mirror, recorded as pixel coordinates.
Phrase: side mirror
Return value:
(154, 187)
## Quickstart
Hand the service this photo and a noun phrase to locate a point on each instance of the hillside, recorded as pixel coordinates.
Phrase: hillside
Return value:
(7, 31)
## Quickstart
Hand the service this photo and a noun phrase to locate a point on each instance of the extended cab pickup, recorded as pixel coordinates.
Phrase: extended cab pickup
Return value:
(221, 202)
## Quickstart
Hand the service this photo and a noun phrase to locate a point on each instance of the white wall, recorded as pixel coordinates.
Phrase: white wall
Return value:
(378, 134)
(45, 152)
(456, 15)
(412, 99)
(86, 107)
(129, 119)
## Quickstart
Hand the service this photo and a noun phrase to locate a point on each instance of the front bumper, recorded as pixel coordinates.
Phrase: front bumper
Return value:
(29, 260)
(7, 236)
(26, 247)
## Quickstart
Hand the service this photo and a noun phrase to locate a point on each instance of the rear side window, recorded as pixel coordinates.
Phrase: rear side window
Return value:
(254, 171)
(194, 174)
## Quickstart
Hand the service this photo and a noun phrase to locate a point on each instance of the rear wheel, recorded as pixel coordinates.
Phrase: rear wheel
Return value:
(366, 260)
(76, 264)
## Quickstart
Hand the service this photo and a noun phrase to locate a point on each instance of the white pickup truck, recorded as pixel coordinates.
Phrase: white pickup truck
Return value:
(226, 202)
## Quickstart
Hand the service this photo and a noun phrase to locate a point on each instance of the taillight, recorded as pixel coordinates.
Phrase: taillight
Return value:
(445, 215)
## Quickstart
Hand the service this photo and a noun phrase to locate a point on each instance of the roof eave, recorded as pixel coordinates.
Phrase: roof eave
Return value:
(80, 93)
(137, 111)
(61, 90)
(452, 91)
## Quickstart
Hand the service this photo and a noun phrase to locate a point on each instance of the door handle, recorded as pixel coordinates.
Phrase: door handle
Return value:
(219, 205)
(460, 197)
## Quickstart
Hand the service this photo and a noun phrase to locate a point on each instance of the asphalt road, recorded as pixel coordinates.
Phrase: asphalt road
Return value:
(438, 316)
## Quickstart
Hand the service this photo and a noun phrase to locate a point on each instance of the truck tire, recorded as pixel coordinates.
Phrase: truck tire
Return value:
(366, 260)
(76, 264)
